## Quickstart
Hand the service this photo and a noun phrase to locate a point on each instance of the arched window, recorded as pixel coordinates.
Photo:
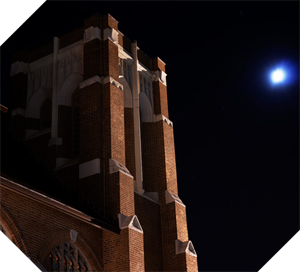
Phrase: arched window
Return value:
(45, 114)
(75, 123)
(11, 257)
(67, 257)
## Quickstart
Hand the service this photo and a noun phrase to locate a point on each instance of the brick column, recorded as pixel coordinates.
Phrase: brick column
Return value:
(178, 251)
(103, 176)
(125, 252)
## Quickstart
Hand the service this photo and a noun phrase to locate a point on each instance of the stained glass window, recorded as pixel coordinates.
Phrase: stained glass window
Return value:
(67, 257)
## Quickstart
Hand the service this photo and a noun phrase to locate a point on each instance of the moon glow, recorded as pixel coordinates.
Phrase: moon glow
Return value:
(277, 76)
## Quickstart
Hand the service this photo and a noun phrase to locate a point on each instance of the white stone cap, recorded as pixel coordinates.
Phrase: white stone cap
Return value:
(55, 141)
(115, 166)
(113, 81)
(131, 222)
(100, 80)
(18, 67)
(73, 235)
(89, 168)
(170, 197)
(92, 33)
(185, 247)
(159, 117)
(161, 76)
(112, 34)
(152, 195)
(17, 111)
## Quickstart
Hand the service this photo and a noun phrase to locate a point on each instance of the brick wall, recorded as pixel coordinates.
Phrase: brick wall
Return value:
(123, 252)
(186, 262)
(166, 157)
(144, 59)
(110, 59)
(22, 55)
(69, 176)
(114, 132)
(45, 153)
(42, 51)
(18, 91)
(37, 222)
(109, 21)
(33, 123)
(94, 20)
(71, 37)
(119, 195)
(160, 98)
(148, 213)
(158, 64)
(90, 111)
(64, 131)
(149, 157)
(92, 65)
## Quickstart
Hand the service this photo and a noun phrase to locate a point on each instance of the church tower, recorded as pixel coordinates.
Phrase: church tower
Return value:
(92, 107)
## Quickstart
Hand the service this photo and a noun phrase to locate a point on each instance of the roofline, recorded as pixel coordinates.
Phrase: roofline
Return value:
(13, 186)
(3, 108)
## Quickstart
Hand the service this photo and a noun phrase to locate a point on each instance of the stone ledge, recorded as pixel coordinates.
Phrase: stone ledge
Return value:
(130, 222)
(170, 197)
(185, 247)
(89, 168)
(159, 117)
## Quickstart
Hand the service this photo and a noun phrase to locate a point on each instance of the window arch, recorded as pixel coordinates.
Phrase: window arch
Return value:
(45, 114)
(67, 257)
(11, 257)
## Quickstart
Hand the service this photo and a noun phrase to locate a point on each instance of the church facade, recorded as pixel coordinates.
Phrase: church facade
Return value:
(92, 108)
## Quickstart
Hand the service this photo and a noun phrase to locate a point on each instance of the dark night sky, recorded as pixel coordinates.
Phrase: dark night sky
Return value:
(236, 135)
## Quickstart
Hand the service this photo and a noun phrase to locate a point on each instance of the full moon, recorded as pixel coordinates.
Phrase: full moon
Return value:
(278, 76)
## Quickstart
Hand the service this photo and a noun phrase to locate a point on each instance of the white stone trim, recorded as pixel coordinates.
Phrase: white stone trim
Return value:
(32, 133)
(159, 117)
(89, 168)
(55, 141)
(153, 196)
(19, 67)
(130, 222)
(17, 111)
(185, 247)
(73, 235)
(113, 81)
(61, 161)
(76, 46)
(92, 33)
(161, 76)
(90, 81)
(67, 164)
(42, 62)
(115, 166)
(123, 54)
(127, 92)
(170, 197)
(112, 34)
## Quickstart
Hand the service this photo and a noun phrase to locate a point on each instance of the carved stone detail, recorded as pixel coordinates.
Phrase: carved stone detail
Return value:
(72, 64)
(40, 78)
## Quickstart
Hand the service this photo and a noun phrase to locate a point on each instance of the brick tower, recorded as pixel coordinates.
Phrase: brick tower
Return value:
(92, 107)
